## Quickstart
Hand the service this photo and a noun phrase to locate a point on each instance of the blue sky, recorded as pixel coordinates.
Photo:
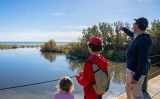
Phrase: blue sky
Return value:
(64, 20)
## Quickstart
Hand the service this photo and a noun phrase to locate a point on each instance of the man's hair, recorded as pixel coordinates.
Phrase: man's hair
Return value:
(65, 84)
(95, 48)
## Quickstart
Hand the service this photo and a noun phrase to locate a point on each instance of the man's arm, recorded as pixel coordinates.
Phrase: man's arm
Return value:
(128, 32)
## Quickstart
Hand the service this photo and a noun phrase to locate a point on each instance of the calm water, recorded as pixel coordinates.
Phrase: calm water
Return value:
(28, 65)
(31, 43)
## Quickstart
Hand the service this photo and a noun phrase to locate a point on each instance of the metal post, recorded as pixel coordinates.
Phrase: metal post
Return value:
(145, 83)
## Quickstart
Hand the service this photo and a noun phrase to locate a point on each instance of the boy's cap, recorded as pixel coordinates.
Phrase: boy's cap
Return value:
(96, 41)
(142, 23)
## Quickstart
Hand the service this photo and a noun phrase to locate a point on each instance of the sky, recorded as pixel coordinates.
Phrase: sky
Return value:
(64, 20)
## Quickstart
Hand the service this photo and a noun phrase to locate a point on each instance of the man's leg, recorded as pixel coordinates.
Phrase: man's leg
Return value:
(137, 89)
(128, 85)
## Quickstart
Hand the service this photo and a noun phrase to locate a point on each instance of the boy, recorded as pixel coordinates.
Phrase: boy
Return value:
(87, 78)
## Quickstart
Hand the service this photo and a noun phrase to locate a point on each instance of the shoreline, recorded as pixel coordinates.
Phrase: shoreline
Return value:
(13, 46)
(30, 43)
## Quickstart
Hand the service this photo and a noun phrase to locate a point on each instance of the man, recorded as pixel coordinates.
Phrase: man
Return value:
(137, 57)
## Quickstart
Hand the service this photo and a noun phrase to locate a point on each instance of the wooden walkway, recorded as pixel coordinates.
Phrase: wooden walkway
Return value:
(153, 90)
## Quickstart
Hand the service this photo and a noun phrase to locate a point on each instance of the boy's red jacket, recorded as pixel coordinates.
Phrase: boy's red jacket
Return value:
(88, 76)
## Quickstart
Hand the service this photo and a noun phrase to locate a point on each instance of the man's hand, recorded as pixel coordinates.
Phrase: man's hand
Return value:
(121, 27)
(133, 81)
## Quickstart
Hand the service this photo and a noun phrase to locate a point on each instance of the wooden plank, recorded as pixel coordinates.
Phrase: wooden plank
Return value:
(153, 89)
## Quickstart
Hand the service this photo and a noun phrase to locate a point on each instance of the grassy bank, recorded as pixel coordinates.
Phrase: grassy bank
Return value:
(5, 47)
(17, 46)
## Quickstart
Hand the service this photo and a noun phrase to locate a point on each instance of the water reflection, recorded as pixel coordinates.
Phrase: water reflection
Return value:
(117, 70)
(51, 56)
(75, 64)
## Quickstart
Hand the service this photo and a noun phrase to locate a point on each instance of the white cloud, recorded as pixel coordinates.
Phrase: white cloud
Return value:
(3, 28)
(77, 27)
(28, 12)
(7, 27)
(15, 28)
(37, 35)
(39, 20)
(36, 30)
(57, 14)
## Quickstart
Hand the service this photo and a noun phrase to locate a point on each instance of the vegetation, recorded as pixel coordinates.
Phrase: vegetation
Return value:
(115, 41)
(154, 31)
(2, 47)
(5, 47)
(77, 49)
(51, 46)
(155, 35)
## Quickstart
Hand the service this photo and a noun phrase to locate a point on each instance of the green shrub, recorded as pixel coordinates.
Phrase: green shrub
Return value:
(115, 55)
(48, 46)
(77, 49)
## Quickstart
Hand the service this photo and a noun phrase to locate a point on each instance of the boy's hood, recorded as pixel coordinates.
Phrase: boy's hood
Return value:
(100, 61)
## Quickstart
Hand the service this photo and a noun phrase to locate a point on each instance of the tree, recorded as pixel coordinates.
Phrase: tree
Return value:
(52, 44)
(155, 35)
(48, 46)
(95, 31)
(121, 39)
(107, 33)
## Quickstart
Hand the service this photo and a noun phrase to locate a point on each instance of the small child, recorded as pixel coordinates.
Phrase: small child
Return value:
(65, 87)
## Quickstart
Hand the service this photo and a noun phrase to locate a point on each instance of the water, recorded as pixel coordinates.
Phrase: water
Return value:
(30, 43)
(28, 65)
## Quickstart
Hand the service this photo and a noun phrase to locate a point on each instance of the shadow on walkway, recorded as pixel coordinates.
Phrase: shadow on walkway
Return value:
(146, 95)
